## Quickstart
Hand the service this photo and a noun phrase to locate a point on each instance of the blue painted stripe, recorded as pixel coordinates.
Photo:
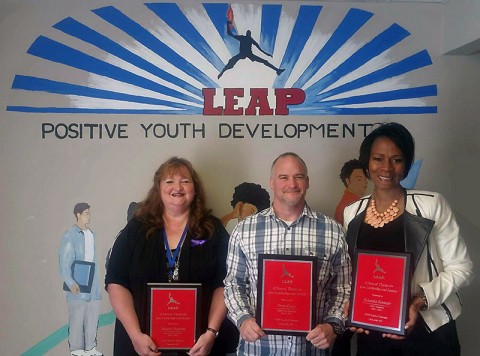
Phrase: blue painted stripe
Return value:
(388, 110)
(385, 40)
(269, 30)
(49, 49)
(174, 17)
(54, 110)
(307, 16)
(415, 61)
(350, 24)
(411, 179)
(139, 33)
(22, 82)
(80, 31)
(61, 334)
(48, 343)
(409, 93)
(218, 16)
(365, 111)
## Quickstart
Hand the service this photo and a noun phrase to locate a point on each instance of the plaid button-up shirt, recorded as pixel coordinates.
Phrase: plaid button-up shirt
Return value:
(311, 234)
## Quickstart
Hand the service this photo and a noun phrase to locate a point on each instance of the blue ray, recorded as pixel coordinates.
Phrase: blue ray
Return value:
(351, 23)
(307, 16)
(54, 110)
(80, 31)
(217, 14)
(270, 21)
(409, 93)
(411, 179)
(174, 17)
(49, 49)
(22, 82)
(379, 44)
(364, 111)
(139, 33)
(415, 61)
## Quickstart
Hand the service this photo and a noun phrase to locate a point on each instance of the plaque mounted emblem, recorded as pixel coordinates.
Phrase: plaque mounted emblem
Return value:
(174, 314)
(287, 290)
(380, 291)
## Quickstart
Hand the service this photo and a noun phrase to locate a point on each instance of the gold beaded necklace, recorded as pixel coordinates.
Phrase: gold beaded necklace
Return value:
(376, 219)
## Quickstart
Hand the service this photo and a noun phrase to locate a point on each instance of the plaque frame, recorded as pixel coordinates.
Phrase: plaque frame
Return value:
(261, 317)
(162, 290)
(356, 317)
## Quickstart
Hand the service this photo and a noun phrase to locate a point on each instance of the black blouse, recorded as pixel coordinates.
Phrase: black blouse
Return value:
(137, 260)
(389, 238)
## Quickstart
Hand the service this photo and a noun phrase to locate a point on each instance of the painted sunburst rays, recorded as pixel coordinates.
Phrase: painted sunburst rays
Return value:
(156, 58)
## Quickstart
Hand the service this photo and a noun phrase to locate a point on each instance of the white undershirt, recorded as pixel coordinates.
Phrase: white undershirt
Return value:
(288, 222)
(89, 245)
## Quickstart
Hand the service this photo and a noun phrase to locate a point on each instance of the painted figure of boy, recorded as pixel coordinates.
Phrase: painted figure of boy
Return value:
(355, 183)
(77, 252)
(247, 199)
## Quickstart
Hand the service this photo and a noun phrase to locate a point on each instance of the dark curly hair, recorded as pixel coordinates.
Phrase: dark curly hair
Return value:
(251, 193)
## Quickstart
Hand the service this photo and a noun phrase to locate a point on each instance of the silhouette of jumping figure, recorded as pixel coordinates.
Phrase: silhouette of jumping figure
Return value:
(246, 43)
(171, 299)
(378, 268)
(286, 273)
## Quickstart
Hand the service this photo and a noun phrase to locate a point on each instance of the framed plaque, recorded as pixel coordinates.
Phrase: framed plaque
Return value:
(174, 315)
(380, 291)
(287, 291)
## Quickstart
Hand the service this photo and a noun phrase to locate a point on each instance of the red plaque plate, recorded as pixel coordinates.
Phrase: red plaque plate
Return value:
(380, 291)
(286, 294)
(174, 315)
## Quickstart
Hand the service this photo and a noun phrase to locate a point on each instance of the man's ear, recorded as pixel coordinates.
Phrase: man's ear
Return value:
(348, 182)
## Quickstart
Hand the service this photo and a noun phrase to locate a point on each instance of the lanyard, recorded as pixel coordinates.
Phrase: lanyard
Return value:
(172, 257)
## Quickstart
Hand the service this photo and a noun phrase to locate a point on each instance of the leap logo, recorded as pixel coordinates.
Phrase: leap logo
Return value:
(258, 101)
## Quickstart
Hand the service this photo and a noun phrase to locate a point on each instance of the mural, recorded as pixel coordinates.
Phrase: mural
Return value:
(79, 271)
(355, 183)
(247, 199)
(170, 58)
(246, 43)
(411, 179)
(132, 207)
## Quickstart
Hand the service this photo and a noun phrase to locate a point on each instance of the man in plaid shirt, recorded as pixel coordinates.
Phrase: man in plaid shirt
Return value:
(289, 227)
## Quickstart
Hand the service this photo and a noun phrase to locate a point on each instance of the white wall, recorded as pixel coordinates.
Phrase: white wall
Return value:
(462, 28)
(462, 149)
